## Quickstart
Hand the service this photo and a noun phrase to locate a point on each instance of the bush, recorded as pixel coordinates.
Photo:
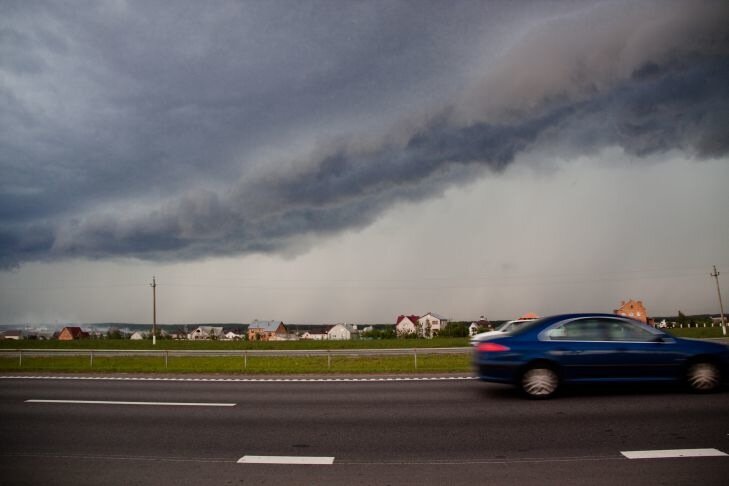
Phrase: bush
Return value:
(455, 329)
(387, 333)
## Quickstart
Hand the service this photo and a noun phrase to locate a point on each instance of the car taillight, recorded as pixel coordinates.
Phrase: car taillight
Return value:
(490, 347)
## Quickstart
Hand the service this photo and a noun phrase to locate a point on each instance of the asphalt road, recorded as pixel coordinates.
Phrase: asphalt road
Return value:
(396, 432)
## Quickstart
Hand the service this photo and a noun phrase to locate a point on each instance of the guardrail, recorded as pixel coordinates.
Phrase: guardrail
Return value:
(243, 354)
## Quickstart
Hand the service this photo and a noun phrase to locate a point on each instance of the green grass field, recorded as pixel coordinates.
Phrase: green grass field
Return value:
(251, 364)
(171, 344)
(238, 364)
(697, 332)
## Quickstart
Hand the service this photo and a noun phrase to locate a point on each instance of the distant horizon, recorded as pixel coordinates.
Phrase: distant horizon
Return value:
(224, 324)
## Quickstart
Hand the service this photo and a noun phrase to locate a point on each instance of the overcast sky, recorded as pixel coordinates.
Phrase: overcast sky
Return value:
(351, 161)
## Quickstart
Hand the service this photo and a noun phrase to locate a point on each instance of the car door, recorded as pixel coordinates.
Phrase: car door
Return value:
(643, 352)
(582, 349)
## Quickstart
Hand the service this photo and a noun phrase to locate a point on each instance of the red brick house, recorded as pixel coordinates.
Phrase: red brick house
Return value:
(633, 309)
(72, 333)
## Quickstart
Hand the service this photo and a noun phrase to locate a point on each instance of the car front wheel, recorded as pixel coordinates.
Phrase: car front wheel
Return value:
(539, 382)
(703, 377)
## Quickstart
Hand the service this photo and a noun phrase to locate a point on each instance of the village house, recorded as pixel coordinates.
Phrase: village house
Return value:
(633, 309)
(137, 336)
(431, 324)
(13, 335)
(406, 325)
(317, 333)
(206, 332)
(72, 333)
(480, 325)
(233, 335)
(342, 332)
(267, 331)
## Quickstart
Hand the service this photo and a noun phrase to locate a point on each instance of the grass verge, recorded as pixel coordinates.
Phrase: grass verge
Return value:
(441, 363)
(697, 332)
(171, 344)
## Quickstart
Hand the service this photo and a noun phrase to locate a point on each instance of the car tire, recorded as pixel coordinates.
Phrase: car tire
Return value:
(703, 377)
(539, 382)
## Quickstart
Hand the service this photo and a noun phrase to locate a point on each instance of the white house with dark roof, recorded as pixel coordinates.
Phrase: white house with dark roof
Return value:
(232, 335)
(317, 333)
(206, 332)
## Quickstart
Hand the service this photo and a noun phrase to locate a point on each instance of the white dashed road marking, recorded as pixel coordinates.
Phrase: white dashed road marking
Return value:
(103, 402)
(285, 460)
(672, 453)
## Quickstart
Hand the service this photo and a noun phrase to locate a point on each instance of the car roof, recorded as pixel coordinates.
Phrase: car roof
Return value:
(540, 324)
(561, 317)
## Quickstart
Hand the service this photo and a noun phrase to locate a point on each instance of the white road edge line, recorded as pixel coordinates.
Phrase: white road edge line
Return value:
(100, 402)
(286, 460)
(672, 453)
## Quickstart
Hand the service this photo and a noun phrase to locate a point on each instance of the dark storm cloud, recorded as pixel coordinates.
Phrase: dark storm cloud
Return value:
(142, 107)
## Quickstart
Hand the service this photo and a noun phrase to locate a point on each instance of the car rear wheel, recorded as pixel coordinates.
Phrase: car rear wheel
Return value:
(539, 382)
(703, 377)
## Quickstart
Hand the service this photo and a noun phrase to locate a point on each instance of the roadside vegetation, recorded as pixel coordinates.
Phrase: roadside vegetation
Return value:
(255, 365)
(697, 332)
(183, 344)
(445, 363)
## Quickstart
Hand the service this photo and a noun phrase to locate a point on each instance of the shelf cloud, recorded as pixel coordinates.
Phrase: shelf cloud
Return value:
(245, 127)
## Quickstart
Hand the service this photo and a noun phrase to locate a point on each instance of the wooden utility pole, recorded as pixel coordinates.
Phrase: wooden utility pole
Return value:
(721, 306)
(154, 311)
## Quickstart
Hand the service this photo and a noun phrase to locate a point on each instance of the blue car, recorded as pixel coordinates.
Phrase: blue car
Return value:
(597, 348)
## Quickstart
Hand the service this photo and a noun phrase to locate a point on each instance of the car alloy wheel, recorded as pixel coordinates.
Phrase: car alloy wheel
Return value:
(539, 382)
(703, 377)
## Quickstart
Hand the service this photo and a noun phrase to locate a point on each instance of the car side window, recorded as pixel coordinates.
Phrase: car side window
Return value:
(578, 330)
(618, 330)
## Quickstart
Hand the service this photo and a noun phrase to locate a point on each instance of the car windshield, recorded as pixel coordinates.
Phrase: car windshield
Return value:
(503, 326)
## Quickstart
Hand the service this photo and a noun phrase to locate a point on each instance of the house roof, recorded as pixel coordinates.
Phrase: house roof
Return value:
(529, 315)
(209, 329)
(75, 331)
(237, 330)
(412, 318)
(319, 329)
(265, 326)
(437, 316)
